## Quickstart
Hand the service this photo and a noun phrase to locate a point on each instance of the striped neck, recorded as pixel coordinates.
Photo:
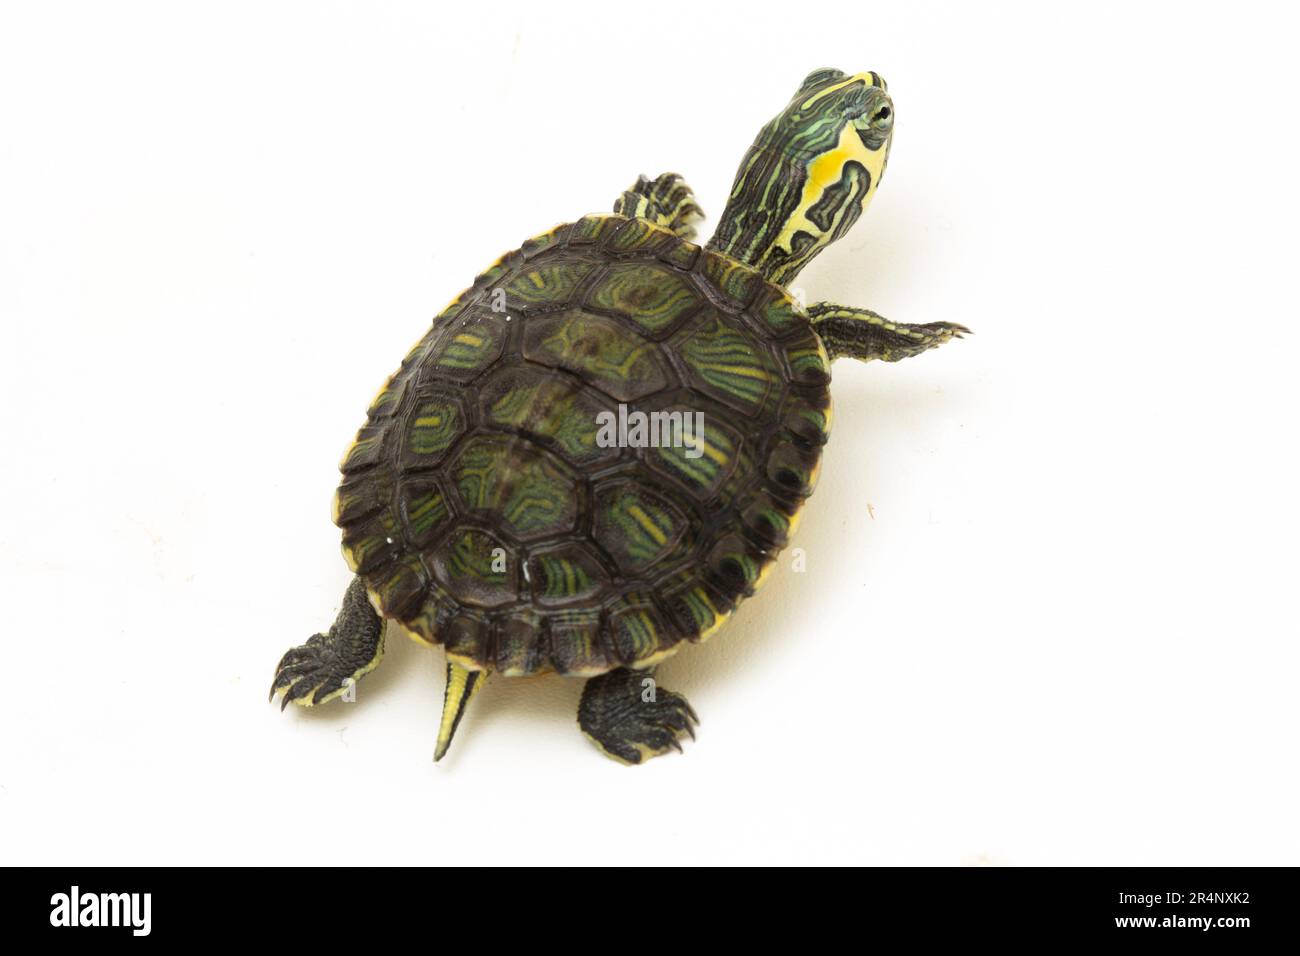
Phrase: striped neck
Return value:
(807, 178)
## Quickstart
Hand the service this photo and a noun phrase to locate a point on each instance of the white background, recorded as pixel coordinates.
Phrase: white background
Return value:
(1067, 635)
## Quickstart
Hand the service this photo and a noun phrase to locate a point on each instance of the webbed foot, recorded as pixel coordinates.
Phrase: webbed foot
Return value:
(631, 719)
(865, 335)
(666, 200)
(328, 664)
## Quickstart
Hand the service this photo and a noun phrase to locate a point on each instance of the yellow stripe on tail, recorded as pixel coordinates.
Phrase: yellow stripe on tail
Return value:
(462, 685)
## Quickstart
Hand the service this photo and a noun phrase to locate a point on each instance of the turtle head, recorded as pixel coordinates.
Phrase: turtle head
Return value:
(809, 175)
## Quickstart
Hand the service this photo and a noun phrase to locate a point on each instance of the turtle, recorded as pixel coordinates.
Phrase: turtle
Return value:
(600, 448)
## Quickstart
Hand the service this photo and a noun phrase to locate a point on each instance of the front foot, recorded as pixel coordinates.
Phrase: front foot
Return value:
(631, 719)
(666, 200)
(324, 667)
(866, 335)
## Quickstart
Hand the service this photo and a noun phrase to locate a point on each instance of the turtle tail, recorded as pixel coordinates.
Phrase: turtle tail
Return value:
(462, 685)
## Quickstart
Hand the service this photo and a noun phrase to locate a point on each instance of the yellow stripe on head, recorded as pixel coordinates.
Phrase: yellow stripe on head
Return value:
(809, 175)
(824, 171)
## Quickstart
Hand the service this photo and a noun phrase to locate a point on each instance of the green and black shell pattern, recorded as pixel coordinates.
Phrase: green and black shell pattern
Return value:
(480, 507)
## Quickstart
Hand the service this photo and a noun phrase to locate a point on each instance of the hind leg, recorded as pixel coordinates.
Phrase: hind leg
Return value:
(631, 719)
(667, 201)
(328, 664)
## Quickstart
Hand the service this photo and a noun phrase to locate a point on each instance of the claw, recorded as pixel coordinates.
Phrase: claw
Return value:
(325, 689)
(627, 728)
(299, 689)
(282, 682)
(284, 701)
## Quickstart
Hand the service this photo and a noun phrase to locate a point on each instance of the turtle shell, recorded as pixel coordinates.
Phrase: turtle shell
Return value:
(491, 504)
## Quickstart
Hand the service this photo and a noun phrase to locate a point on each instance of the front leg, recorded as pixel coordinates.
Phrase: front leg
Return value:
(667, 201)
(864, 335)
(631, 719)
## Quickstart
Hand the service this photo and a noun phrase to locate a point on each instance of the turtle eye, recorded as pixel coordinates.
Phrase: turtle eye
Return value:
(883, 118)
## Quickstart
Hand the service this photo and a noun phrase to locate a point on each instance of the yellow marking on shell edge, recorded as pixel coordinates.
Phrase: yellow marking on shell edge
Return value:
(465, 338)
(795, 520)
(431, 420)
(764, 573)
(347, 453)
(413, 634)
(373, 597)
(468, 663)
(815, 474)
(650, 527)
(825, 171)
(352, 562)
(719, 618)
(587, 672)
(822, 353)
(463, 292)
(656, 658)
(547, 234)
(383, 388)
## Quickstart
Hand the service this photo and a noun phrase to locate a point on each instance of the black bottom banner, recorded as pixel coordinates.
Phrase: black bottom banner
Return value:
(325, 909)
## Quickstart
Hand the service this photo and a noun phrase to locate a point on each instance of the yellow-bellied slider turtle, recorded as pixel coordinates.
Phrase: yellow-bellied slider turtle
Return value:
(598, 450)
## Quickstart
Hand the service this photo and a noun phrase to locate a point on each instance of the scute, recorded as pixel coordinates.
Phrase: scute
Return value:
(724, 362)
(426, 510)
(484, 506)
(546, 285)
(466, 347)
(517, 483)
(473, 565)
(705, 458)
(550, 407)
(435, 422)
(566, 574)
(653, 299)
(637, 525)
(599, 351)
